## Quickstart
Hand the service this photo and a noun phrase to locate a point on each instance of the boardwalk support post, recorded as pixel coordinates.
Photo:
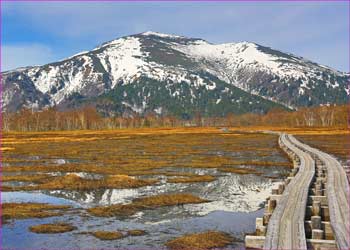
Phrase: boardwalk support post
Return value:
(316, 208)
(316, 222)
(271, 205)
(317, 234)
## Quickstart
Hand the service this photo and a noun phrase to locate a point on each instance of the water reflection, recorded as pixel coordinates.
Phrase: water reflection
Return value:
(235, 203)
(230, 192)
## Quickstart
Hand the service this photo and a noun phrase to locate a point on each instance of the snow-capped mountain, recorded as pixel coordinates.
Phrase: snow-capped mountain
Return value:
(154, 72)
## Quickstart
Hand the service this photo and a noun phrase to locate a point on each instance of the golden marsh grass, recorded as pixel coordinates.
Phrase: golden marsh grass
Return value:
(200, 241)
(198, 178)
(133, 152)
(75, 182)
(150, 202)
(31, 210)
(53, 228)
(108, 235)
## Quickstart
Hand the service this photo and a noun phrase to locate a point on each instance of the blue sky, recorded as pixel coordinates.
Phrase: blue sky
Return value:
(37, 33)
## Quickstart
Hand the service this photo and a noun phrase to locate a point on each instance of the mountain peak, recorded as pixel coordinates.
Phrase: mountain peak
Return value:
(163, 35)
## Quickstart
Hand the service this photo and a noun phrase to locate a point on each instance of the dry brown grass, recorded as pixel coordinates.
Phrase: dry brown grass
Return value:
(74, 182)
(52, 228)
(108, 235)
(31, 210)
(183, 174)
(320, 131)
(295, 130)
(150, 202)
(113, 210)
(336, 144)
(198, 178)
(266, 163)
(38, 178)
(167, 200)
(136, 232)
(66, 168)
(205, 240)
(133, 152)
(7, 148)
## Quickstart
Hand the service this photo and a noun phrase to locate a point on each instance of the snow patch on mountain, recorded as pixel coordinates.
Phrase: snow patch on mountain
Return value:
(50, 78)
(123, 59)
(152, 33)
(234, 56)
(77, 54)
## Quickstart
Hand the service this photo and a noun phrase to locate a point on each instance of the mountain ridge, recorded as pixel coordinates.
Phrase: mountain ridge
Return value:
(275, 78)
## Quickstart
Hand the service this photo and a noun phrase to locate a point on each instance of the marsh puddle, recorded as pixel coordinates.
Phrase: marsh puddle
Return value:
(35, 196)
(235, 223)
(236, 201)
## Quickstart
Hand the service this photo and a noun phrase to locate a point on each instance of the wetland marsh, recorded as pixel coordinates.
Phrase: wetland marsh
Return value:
(165, 183)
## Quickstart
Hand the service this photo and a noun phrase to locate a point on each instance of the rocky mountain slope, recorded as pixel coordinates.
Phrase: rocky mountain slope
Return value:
(168, 74)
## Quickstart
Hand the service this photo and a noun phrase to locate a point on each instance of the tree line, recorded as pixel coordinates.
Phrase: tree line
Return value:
(87, 118)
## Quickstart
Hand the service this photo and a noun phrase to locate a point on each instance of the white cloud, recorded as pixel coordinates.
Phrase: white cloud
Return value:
(14, 56)
(290, 27)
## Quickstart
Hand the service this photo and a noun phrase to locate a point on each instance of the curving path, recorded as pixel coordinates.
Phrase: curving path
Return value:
(338, 195)
(286, 226)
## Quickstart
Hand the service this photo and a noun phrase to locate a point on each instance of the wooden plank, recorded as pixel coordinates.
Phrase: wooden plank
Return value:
(254, 242)
(321, 244)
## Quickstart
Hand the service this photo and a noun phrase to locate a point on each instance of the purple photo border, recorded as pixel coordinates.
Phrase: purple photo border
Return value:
(175, 1)
(1, 124)
(165, 1)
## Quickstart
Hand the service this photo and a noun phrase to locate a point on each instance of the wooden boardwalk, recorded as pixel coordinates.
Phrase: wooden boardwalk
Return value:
(286, 227)
(317, 178)
(338, 196)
